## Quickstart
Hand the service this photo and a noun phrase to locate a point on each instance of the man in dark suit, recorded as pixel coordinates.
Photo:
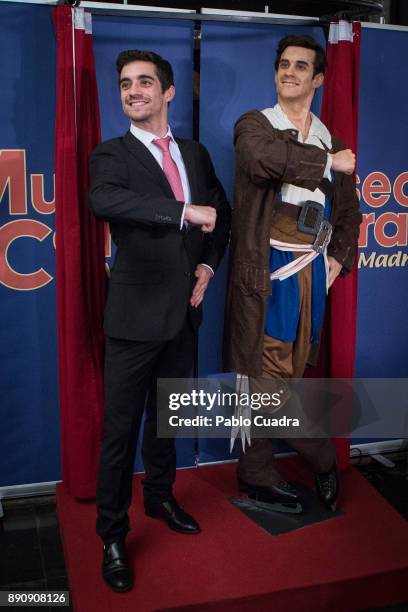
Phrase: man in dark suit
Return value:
(169, 219)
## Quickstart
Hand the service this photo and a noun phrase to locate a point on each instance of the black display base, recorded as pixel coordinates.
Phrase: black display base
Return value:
(279, 522)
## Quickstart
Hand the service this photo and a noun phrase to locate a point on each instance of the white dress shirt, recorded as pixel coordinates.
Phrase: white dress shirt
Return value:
(147, 138)
(319, 136)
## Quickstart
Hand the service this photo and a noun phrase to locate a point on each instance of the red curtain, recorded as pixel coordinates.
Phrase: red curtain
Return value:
(340, 115)
(79, 253)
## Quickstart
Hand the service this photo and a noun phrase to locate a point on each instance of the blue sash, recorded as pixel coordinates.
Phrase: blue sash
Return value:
(283, 309)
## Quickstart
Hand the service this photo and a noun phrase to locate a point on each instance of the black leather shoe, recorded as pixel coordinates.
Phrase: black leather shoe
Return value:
(281, 496)
(115, 567)
(175, 517)
(327, 487)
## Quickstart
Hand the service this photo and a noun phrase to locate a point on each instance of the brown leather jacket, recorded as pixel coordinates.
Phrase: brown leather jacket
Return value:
(265, 158)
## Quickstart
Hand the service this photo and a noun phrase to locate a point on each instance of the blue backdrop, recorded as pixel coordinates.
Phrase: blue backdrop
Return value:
(382, 329)
(29, 432)
(173, 39)
(29, 412)
(236, 75)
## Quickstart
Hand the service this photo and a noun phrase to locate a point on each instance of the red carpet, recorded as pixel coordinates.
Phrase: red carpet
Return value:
(351, 562)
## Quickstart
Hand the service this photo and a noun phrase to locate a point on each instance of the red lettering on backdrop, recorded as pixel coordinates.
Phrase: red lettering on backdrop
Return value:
(13, 177)
(40, 204)
(368, 219)
(357, 190)
(8, 234)
(399, 220)
(376, 189)
(399, 184)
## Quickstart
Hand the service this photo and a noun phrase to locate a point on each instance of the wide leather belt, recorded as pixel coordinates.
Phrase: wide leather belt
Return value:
(309, 217)
(289, 210)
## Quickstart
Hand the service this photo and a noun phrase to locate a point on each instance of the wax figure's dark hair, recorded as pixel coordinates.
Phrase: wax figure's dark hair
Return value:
(163, 67)
(307, 42)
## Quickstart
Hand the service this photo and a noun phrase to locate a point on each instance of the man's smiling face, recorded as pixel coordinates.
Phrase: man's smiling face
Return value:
(143, 99)
(294, 78)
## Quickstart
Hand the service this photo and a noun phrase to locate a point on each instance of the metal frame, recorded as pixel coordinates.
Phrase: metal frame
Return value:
(107, 8)
(383, 26)
(364, 7)
(28, 490)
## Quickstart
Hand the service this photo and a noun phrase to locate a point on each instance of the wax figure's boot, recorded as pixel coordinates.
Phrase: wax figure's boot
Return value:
(173, 515)
(281, 497)
(115, 567)
(327, 487)
(259, 479)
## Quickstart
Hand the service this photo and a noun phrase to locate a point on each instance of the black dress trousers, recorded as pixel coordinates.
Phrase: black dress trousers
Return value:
(131, 371)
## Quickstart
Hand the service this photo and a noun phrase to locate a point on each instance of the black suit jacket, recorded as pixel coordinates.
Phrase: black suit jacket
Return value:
(153, 274)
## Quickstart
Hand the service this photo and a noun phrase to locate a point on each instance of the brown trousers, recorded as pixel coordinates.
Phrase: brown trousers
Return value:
(287, 360)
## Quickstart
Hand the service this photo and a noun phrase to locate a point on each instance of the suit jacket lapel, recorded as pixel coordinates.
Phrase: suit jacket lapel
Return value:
(189, 162)
(143, 155)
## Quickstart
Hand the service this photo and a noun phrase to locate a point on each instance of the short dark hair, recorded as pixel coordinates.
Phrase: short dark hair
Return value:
(163, 67)
(307, 42)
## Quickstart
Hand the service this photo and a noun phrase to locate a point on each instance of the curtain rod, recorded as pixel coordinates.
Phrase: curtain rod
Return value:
(108, 8)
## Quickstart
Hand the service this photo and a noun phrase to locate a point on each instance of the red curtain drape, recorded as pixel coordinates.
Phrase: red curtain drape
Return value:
(340, 115)
(79, 254)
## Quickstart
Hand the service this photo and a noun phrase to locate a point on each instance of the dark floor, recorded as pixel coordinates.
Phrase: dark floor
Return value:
(31, 557)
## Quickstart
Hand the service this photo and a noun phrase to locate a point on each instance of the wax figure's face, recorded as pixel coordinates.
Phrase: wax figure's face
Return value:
(141, 94)
(294, 78)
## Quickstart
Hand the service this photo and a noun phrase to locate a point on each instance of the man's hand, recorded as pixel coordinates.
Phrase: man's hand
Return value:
(205, 216)
(344, 161)
(203, 275)
(334, 269)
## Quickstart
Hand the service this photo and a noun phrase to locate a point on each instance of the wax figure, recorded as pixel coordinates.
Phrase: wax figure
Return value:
(285, 157)
(169, 219)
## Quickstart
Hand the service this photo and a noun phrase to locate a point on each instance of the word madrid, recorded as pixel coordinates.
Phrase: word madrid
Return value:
(383, 260)
(233, 421)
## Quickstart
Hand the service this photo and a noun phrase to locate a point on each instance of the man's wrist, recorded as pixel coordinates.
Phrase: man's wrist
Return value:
(209, 268)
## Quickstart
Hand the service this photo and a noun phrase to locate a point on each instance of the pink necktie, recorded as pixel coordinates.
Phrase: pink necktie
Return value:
(170, 168)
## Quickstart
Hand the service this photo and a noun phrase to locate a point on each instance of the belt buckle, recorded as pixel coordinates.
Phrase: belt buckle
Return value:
(311, 217)
(319, 246)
